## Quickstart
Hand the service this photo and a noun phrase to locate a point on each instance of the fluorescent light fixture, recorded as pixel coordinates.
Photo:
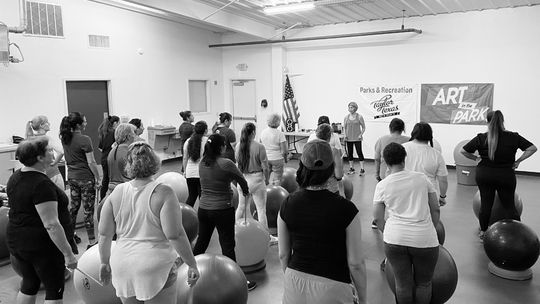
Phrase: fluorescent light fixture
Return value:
(288, 8)
(131, 6)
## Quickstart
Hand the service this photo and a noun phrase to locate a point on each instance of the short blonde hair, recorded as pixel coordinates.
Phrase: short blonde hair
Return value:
(125, 132)
(274, 120)
(354, 104)
(142, 161)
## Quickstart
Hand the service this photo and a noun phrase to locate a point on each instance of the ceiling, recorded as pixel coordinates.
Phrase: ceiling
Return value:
(247, 16)
(346, 11)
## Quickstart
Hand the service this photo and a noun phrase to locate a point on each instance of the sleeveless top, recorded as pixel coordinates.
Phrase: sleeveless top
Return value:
(143, 257)
(353, 127)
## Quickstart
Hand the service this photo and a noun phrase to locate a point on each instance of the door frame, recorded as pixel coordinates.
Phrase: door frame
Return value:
(232, 80)
(108, 80)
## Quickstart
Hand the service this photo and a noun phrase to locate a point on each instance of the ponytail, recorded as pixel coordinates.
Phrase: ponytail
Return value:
(68, 125)
(245, 144)
(495, 128)
(212, 149)
(107, 125)
(194, 144)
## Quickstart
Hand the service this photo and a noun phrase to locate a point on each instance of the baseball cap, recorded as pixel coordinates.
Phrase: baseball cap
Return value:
(317, 155)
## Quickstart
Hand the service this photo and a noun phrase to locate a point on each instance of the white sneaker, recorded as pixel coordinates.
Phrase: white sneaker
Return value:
(273, 240)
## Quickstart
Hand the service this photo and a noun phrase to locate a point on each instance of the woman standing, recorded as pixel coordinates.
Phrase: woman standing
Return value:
(147, 219)
(223, 128)
(354, 130)
(106, 140)
(319, 260)
(124, 135)
(83, 174)
(193, 151)
(39, 126)
(422, 157)
(39, 224)
(496, 170)
(275, 144)
(139, 128)
(324, 132)
(253, 164)
(397, 127)
(410, 239)
(186, 128)
(215, 207)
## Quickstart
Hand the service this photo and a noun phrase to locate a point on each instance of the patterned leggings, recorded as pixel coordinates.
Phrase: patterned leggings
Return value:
(83, 191)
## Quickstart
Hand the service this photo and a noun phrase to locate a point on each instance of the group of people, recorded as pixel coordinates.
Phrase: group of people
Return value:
(320, 262)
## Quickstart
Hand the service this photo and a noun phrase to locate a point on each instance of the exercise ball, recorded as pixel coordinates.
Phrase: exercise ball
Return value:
(221, 281)
(251, 243)
(275, 196)
(288, 180)
(511, 245)
(177, 182)
(234, 197)
(190, 221)
(348, 188)
(497, 212)
(90, 291)
(4, 253)
(444, 281)
(461, 160)
(441, 233)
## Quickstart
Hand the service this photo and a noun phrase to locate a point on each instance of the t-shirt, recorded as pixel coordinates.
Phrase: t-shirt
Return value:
(192, 167)
(257, 157)
(105, 144)
(381, 143)
(117, 160)
(505, 155)
(25, 229)
(317, 222)
(332, 184)
(424, 158)
(230, 138)
(75, 154)
(334, 142)
(271, 138)
(185, 130)
(409, 223)
(216, 192)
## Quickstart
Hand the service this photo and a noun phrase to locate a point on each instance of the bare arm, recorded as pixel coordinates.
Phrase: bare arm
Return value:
(185, 155)
(48, 213)
(355, 258)
(363, 124)
(284, 150)
(469, 155)
(377, 159)
(284, 243)
(93, 166)
(378, 215)
(526, 154)
(434, 208)
(264, 164)
(338, 161)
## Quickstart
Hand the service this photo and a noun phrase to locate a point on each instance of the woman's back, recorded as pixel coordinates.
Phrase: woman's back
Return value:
(75, 154)
(507, 146)
(192, 166)
(257, 157)
(424, 158)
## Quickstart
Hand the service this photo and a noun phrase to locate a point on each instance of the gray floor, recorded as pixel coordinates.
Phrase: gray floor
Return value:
(475, 285)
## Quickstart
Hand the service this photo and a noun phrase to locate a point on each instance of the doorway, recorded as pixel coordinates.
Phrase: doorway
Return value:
(91, 98)
(244, 108)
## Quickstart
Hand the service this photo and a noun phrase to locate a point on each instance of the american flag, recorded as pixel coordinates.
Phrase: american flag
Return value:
(290, 109)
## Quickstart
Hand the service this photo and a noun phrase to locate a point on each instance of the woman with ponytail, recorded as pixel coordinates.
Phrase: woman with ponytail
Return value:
(253, 164)
(193, 152)
(83, 174)
(39, 126)
(106, 140)
(496, 170)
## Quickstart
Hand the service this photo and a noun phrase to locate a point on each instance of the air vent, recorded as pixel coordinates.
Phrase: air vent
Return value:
(44, 19)
(98, 41)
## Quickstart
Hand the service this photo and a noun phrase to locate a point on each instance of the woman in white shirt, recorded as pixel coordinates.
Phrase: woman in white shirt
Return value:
(193, 152)
(422, 157)
(410, 239)
(275, 144)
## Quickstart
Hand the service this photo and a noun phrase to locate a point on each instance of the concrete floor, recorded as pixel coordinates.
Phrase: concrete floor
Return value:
(475, 284)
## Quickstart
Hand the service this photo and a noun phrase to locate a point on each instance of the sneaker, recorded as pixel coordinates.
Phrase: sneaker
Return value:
(251, 285)
(77, 239)
(351, 171)
(362, 171)
(273, 240)
(374, 225)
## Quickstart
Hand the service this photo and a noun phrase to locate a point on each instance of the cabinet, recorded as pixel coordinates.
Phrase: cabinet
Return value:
(7, 161)
(165, 140)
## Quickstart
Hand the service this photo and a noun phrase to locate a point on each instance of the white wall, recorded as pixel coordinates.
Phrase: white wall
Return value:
(152, 86)
(496, 46)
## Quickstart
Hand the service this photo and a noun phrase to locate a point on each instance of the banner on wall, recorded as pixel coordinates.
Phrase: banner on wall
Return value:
(383, 103)
(456, 103)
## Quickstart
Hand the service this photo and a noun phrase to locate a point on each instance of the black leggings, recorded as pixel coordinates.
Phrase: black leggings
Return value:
(43, 266)
(105, 180)
(223, 220)
(358, 145)
(502, 181)
(194, 188)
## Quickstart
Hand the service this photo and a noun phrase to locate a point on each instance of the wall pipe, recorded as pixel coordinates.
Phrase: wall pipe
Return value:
(409, 30)
(22, 14)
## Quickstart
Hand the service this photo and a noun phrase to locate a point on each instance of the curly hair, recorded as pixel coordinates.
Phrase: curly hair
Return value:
(273, 120)
(142, 161)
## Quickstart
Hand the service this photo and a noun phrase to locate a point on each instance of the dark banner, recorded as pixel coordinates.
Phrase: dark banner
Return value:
(456, 103)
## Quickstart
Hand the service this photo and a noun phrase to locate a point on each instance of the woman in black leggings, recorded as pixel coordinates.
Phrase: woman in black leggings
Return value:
(496, 170)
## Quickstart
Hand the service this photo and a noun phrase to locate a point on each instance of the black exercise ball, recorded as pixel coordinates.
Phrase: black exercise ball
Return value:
(288, 180)
(497, 212)
(511, 245)
(444, 281)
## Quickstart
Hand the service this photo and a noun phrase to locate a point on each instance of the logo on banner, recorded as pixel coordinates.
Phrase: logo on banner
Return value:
(385, 106)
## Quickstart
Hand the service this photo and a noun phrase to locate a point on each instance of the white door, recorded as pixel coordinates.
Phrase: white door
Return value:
(244, 107)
